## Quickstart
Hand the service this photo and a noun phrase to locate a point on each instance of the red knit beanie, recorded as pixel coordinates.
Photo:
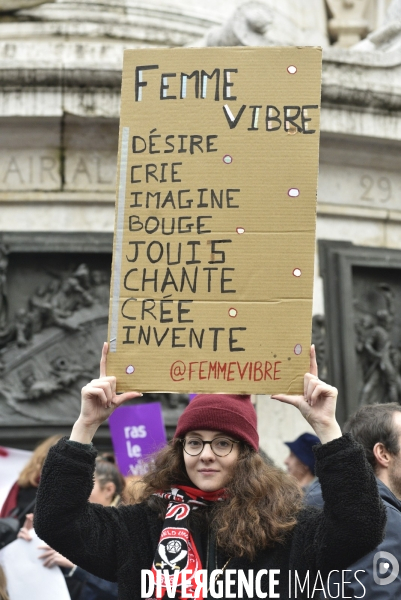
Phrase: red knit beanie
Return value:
(234, 415)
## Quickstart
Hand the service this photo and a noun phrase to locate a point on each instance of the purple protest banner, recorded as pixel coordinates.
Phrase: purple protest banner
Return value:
(136, 432)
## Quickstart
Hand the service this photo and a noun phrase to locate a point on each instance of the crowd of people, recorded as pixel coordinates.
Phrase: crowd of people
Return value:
(213, 509)
(108, 489)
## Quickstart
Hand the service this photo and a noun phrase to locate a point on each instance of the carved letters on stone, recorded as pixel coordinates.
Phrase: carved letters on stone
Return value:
(95, 171)
(41, 170)
(29, 170)
(349, 185)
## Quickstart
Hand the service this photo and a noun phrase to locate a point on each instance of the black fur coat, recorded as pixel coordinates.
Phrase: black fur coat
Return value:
(116, 543)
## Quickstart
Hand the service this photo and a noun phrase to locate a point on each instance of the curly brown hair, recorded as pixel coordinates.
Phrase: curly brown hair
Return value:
(262, 501)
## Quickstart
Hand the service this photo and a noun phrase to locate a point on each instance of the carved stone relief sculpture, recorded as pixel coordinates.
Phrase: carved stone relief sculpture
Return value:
(248, 26)
(269, 23)
(362, 296)
(53, 322)
(48, 345)
(386, 38)
(378, 353)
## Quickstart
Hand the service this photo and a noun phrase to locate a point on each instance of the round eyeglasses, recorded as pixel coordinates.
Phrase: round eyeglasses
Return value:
(220, 446)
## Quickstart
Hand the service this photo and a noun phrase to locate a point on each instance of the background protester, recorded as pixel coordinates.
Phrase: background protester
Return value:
(12, 461)
(23, 493)
(211, 501)
(107, 490)
(378, 428)
(109, 483)
(301, 465)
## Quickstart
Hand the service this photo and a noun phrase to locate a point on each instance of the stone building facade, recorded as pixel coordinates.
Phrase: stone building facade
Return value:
(60, 71)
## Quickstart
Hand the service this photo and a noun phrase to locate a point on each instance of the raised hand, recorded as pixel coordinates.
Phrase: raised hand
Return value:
(318, 403)
(98, 400)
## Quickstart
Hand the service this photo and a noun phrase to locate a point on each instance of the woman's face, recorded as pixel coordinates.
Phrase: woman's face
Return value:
(207, 471)
(102, 495)
(296, 468)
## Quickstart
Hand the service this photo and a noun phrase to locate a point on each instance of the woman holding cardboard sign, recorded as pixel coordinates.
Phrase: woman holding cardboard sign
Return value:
(215, 520)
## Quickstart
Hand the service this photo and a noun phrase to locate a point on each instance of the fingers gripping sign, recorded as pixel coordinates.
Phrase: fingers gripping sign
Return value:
(99, 399)
(51, 558)
(318, 404)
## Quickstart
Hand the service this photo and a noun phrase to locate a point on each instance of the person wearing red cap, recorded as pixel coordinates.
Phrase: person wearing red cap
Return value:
(215, 520)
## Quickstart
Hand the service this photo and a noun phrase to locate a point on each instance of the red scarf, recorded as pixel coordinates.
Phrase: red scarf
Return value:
(177, 550)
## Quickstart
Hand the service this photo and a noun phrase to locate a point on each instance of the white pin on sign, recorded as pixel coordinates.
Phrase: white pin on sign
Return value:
(292, 69)
(293, 192)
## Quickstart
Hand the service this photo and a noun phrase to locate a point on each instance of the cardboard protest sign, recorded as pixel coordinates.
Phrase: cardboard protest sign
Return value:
(137, 431)
(215, 220)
